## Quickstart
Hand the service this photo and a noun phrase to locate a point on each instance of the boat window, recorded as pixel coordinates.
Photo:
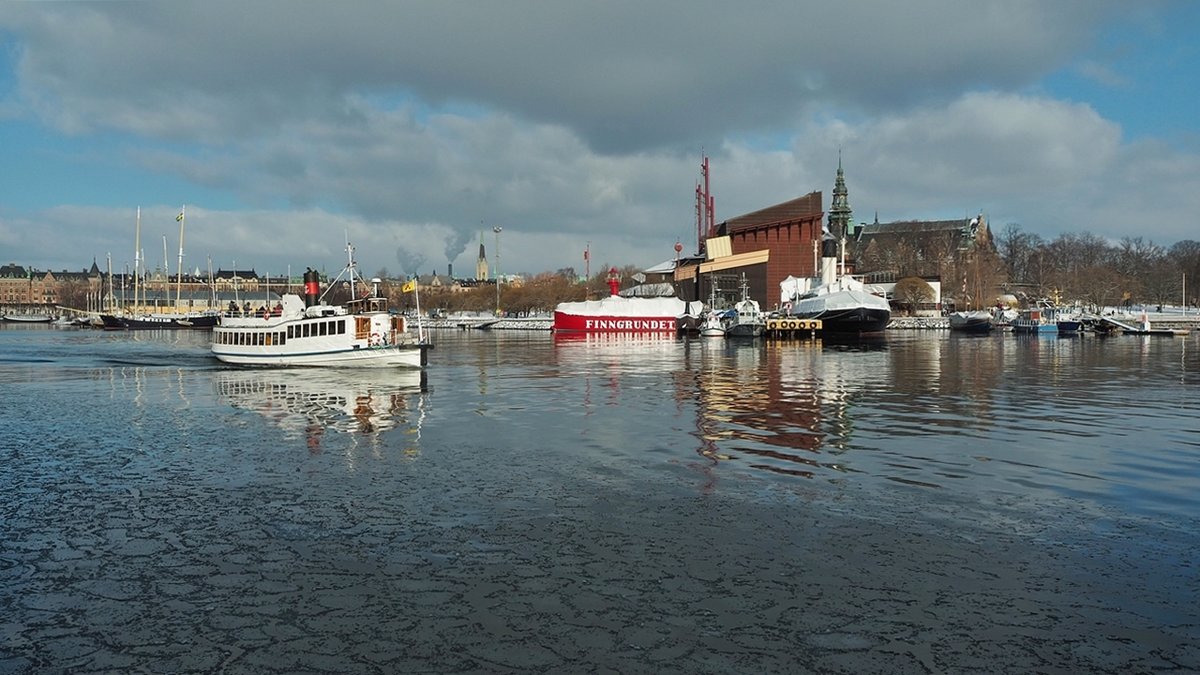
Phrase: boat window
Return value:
(341, 327)
(324, 328)
(306, 329)
(281, 339)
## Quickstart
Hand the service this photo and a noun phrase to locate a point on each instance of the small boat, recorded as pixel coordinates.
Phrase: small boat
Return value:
(28, 318)
(309, 332)
(746, 318)
(977, 321)
(1069, 323)
(713, 324)
(1034, 321)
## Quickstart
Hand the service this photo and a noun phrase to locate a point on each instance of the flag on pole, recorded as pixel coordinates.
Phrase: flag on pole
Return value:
(409, 286)
(179, 218)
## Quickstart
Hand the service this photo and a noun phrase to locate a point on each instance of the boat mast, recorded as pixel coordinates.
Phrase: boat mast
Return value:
(350, 266)
(137, 249)
(179, 272)
(166, 276)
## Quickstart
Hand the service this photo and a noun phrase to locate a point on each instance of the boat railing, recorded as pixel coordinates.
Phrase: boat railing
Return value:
(368, 304)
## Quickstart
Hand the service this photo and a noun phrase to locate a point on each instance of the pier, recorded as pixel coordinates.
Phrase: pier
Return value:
(786, 328)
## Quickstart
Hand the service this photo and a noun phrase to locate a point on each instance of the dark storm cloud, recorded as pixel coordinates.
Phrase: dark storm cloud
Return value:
(621, 75)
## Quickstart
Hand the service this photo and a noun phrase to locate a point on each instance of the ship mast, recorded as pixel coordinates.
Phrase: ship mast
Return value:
(137, 251)
(705, 209)
(179, 272)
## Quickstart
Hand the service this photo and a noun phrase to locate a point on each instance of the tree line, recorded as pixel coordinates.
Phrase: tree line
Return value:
(534, 295)
(1088, 269)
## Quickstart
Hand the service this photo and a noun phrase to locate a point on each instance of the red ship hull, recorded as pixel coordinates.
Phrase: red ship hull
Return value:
(575, 323)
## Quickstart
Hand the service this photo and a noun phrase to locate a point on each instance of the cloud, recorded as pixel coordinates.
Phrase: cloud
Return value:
(410, 127)
(621, 75)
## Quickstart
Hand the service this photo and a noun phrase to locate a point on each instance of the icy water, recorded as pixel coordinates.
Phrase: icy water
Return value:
(925, 503)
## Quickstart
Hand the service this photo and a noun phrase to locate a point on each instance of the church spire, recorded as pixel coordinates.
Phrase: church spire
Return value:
(481, 265)
(840, 214)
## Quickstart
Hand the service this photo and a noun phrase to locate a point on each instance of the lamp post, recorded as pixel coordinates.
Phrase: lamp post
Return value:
(497, 229)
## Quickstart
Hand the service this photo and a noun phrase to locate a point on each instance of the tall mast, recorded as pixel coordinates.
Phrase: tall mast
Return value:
(166, 276)
(137, 252)
(179, 273)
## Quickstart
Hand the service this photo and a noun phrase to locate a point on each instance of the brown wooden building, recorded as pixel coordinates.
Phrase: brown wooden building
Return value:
(766, 246)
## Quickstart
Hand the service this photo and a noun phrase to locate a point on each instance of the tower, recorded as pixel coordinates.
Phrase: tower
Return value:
(481, 265)
(840, 214)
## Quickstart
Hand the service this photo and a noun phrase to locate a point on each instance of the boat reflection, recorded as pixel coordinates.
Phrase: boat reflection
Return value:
(311, 402)
(783, 406)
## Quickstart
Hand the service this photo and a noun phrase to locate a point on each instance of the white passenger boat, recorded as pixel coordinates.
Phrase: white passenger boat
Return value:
(309, 332)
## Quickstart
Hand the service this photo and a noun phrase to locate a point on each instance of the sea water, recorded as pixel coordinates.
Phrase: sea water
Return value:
(926, 502)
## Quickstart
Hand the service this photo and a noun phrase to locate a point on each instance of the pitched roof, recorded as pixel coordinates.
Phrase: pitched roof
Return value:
(800, 208)
(967, 232)
(914, 227)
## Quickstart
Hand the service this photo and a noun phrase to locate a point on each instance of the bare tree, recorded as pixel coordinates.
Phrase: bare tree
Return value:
(911, 293)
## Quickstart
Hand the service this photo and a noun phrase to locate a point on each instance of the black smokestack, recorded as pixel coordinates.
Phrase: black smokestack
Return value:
(312, 287)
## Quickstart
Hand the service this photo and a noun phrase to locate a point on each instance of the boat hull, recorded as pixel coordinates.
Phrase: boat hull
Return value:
(1023, 328)
(746, 330)
(845, 312)
(165, 322)
(971, 322)
(389, 356)
(565, 322)
(853, 321)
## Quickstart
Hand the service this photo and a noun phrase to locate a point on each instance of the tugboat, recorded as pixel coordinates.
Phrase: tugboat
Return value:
(746, 319)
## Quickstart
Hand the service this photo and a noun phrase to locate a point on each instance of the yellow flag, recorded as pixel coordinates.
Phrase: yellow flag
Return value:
(409, 286)
(179, 217)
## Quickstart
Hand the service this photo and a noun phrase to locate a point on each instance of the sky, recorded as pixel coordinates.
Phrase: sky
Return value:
(413, 129)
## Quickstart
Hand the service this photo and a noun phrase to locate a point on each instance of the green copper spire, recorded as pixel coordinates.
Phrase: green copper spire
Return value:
(840, 214)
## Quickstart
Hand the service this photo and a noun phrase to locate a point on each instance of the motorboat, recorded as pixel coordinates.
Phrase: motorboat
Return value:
(745, 319)
(974, 321)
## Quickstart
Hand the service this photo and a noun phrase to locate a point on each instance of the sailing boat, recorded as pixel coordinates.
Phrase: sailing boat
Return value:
(159, 320)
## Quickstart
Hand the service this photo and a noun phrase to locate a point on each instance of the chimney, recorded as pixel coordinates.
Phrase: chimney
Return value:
(450, 270)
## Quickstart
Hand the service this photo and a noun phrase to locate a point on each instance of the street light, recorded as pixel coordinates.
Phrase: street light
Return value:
(497, 229)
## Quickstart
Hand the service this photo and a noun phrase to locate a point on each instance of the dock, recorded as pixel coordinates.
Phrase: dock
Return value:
(1144, 329)
(792, 328)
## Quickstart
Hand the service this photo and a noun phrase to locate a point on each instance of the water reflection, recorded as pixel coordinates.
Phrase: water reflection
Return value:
(311, 402)
(614, 368)
(785, 406)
